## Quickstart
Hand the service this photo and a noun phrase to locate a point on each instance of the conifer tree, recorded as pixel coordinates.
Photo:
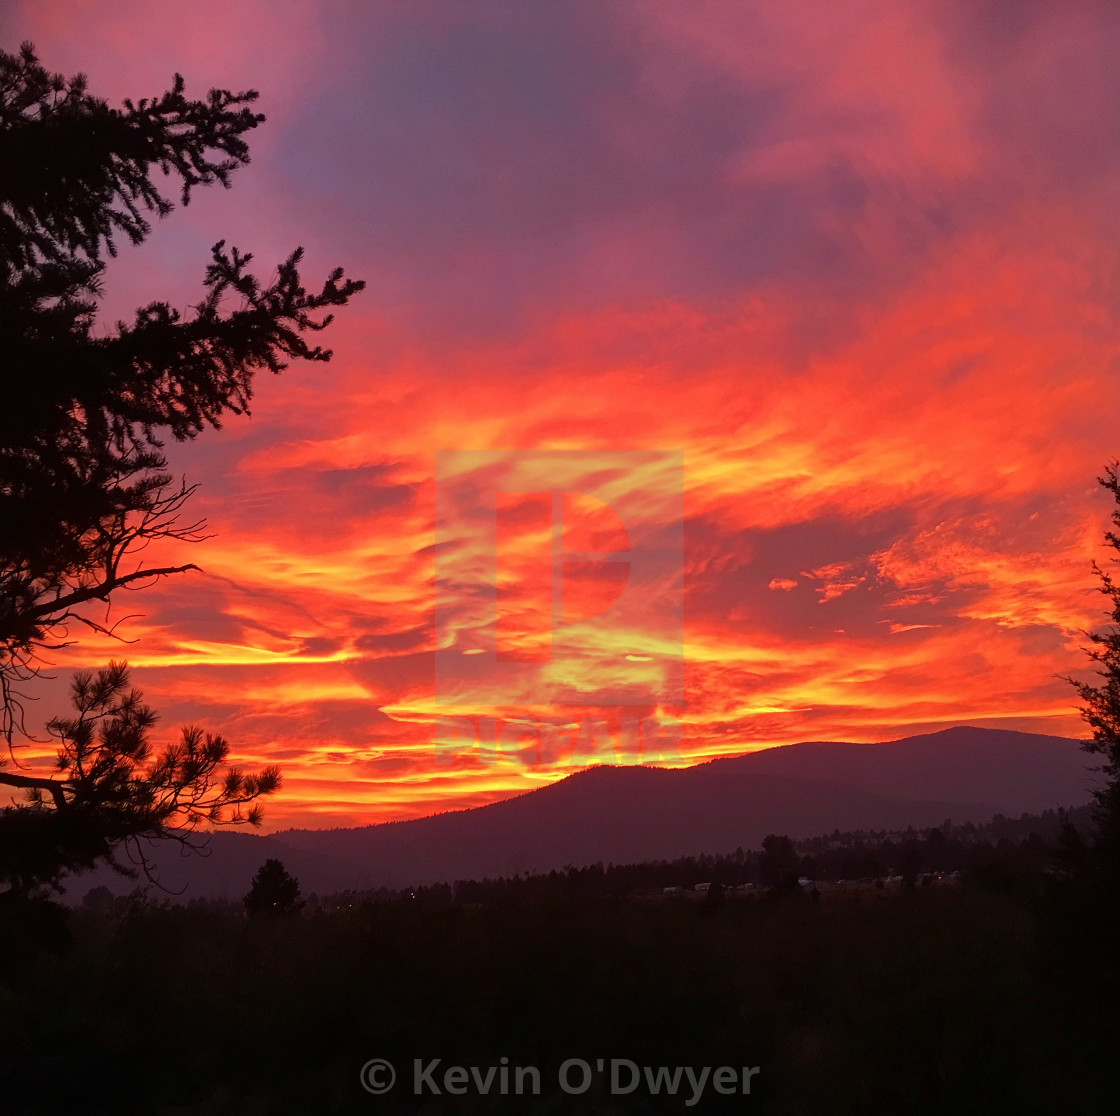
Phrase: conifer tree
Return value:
(85, 410)
(273, 892)
(1101, 699)
(114, 790)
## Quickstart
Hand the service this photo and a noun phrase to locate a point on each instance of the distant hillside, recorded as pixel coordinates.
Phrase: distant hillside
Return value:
(632, 814)
(1021, 771)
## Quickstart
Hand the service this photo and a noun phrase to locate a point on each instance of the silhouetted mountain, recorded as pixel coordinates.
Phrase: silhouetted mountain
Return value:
(630, 814)
(1019, 771)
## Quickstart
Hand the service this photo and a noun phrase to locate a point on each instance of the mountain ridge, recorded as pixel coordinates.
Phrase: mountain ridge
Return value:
(627, 813)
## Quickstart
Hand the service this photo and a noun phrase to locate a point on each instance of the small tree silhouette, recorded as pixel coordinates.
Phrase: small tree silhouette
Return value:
(114, 790)
(274, 891)
(778, 863)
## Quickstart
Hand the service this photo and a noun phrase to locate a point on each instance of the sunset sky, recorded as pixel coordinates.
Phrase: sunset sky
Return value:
(821, 299)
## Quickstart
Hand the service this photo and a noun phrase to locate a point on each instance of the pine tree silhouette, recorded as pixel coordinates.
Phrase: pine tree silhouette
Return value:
(1101, 701)
(273, 892)
(86, 406)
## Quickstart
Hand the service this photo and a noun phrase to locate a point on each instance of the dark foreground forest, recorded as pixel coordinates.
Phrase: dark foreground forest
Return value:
(994, 994)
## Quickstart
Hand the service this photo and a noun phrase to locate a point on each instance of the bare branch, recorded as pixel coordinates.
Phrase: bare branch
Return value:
(102, 590)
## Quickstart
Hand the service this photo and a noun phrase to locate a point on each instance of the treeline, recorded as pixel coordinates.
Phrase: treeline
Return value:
(997, 853)
(1047, 825)
(1031, 843)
